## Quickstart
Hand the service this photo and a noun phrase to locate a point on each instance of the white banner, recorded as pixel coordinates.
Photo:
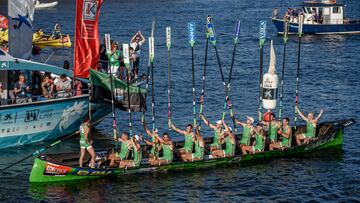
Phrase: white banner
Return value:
(21, 16)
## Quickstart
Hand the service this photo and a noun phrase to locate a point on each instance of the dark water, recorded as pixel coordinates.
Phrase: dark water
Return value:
(329, 80)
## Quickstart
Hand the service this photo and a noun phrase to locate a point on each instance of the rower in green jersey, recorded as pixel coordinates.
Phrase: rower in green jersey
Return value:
(230, 143)
(311, 123)
(285, 135)
(154, 143)
(248, 130)
(167, 149)
(272, 128)
(259, 143)
(199, 149)
(86, 143)
(136, 154)
(218, 131)
(124, 150)
(189, 137)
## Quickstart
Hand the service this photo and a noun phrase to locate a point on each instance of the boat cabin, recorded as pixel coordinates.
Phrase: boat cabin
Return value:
(323, 12)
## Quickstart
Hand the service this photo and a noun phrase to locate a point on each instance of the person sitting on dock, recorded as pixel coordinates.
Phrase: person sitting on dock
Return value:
(285, 133)
(86, 143)
(248, 130)
(199, 149)
(22, 90)
(63, 87)
(189, 137)
(258, 144)
(218, 131)
(124, 150)
(167, 149)
(154, 143)
(230, 143)
(311, 123)
(47, 87)
(137, 154)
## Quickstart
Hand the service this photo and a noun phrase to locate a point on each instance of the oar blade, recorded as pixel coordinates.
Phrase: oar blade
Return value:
(262, 33)
(191, 33)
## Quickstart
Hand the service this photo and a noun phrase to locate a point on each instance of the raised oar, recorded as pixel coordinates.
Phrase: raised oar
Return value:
(285, 37)
(37, 152)
(127, 62)
(262, 38)
(148, 72)
(151, 48)
(300, 27)
(168, 45)
(227, 98)
(202, 96)
(108, 51)
(192, 37)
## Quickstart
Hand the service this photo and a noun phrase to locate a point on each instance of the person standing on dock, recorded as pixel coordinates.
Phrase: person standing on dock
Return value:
(136, 42)
(189, 137)
(86, 143)
(218, 131)
(229, 139)
(114, 58)
(285, 133)
(137, 154)
(311, 123)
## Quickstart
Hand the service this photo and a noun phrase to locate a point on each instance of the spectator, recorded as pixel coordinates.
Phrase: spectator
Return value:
(78, 87)
(275, 13)
(57, 32)
(114, 57)
(66, 65)
(133, 57)
(103, 57)
(22, 90)
(36, 80)
(136, 42)
(47, 87)
(63, 87)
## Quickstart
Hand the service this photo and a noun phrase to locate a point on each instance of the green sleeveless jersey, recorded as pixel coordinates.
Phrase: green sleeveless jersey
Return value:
(167, 152)
(83, 142)
(189, 143)
(259, 142)
(272, 132)
(124, 151)
(245, 139)
(310, 130)
(216, 139)
(285, 142)
(229, 146)
(199, 151)
(137, 156)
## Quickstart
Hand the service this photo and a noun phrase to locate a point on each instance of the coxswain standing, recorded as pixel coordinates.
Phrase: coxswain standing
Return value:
(311, 123)
(86, 143)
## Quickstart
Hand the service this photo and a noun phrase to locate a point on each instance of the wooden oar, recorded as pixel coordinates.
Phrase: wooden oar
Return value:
(227, 98)
(151, 48)
(202, 96)
(262, 38)
(300, 27)
(168, 45)
(127, 62)
(37, 152)
(285, 38)
(108, 51)
(192, 38)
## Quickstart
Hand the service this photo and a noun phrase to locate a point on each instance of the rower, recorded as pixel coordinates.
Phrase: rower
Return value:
(137, 154)
(258, 144)
(218, 131)
(124, 150)
(311, 123)
(273, 127)
(248, 129)
(285, 133)
(230, 143)
(86, 143)
(199, 149)
(167, 146)
(189, 137)
(154, 141)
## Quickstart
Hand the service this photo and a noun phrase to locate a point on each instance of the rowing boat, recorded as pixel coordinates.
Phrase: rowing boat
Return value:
(44, 41)
(63, 167)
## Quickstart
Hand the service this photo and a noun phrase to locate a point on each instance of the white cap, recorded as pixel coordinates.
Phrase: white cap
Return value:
(218, 122)
(137, 137)
(230, 128)
(156, 130)
(251, 119)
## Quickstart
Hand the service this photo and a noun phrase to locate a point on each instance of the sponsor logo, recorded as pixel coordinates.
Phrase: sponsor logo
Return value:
(55, 170)
(89, 9)
(92, 172)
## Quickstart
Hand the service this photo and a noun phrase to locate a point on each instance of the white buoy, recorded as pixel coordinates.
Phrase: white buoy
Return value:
(270, 83)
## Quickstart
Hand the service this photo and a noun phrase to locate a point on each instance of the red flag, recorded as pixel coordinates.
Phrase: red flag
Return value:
(86, 53)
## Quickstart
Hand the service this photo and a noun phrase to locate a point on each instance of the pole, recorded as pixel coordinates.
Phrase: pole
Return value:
(285, 38)
(151, 47)
(168, 44)
(300, 27)
(192, 38)
(262, 39)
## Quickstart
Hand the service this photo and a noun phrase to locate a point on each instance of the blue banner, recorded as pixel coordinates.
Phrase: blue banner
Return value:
(191, 33)
(262, 33)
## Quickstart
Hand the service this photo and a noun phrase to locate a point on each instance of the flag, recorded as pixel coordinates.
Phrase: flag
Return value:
(102, 92)
(86, 53)
(21, 16)
(3, 22)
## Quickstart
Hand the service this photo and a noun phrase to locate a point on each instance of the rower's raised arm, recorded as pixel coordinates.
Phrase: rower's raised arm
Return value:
(146, 128)
(300, 113)
(142, 38)
(206, 121)
(238, 122)
(320, 114)
(225, 125)
(177, 129)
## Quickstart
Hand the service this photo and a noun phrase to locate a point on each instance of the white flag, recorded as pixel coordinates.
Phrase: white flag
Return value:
(21, 16)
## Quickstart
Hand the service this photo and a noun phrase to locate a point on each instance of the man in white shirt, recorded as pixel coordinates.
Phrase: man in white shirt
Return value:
(136, 42)
(63, 87)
